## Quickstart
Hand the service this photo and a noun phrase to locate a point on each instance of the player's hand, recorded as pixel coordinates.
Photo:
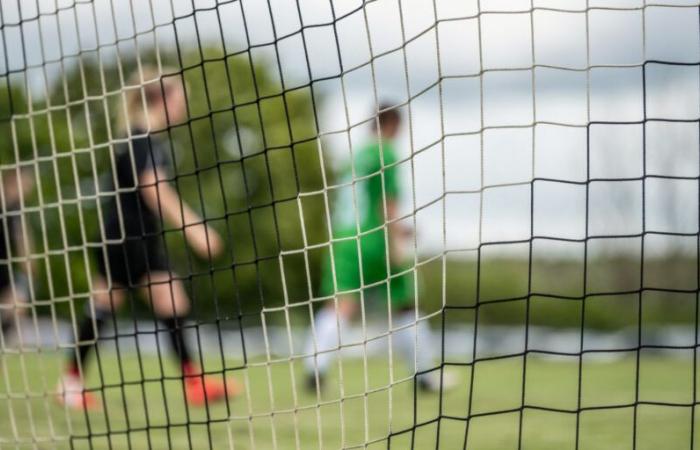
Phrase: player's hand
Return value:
(205, 241)
(400, 237)
(405, 232)
(401, 233)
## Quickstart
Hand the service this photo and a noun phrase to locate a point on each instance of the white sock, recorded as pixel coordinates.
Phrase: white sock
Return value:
(418, 358)
(327, 337)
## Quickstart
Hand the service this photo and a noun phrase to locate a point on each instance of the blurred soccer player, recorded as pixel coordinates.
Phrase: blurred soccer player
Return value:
(363, 224)
(134, 259)
(14, 242)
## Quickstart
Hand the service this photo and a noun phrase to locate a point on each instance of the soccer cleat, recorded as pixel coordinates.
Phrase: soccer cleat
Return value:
(72, 394)
(431, 382)
(310, 382)
(202, 389)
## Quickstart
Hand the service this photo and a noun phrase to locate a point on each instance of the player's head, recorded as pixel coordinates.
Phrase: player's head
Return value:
(387, 123)
(156, 100)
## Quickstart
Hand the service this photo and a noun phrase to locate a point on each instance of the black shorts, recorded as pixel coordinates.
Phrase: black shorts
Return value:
(126, 263)
(4, 275)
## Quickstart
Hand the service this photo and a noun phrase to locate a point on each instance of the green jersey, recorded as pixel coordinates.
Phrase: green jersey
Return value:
(359, 207)
(362, 202)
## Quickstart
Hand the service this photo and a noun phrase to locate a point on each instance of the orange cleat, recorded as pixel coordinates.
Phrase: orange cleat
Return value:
(202, 389)
(72, 394)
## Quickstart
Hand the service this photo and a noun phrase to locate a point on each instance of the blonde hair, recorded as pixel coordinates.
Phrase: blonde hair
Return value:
(146, 89)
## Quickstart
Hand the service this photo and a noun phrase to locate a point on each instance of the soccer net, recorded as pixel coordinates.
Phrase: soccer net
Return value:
(367, 224)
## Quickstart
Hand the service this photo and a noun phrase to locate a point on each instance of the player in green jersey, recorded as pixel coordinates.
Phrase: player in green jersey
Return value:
(364, 226)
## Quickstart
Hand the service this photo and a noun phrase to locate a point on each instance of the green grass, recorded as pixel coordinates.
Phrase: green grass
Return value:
(138, 413)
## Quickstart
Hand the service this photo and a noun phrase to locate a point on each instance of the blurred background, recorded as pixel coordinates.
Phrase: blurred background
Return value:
(550, 156)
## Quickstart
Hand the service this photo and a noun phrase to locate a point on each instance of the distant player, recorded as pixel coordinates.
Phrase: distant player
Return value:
(134, 259)
(366, 217)
(14, 242)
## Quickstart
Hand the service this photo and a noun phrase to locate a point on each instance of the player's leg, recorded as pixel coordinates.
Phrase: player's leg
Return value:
(119, 263)
(98, 312)
(340, 275)
(170, 303)
(17, 303)
(325, 339)
(171, 306)
(413, 339)
(414, 342)
(96, 315)
(6, 301)
(7, 315)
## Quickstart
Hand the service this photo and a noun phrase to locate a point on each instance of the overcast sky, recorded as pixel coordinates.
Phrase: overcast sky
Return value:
(415, 43)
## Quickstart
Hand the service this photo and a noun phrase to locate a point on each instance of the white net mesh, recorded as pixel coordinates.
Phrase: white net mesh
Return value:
(516, 266)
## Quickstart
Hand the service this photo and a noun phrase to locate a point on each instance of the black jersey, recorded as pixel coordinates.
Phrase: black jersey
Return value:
(137, 219)
(138, 228)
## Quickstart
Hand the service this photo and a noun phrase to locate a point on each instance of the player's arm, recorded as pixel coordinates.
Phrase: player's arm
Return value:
(394, 228)
(392, 212)
(24, 245)
(162, 198)
(399, 233)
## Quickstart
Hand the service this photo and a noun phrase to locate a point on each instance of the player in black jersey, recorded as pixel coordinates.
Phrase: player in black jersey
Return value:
(134, 256)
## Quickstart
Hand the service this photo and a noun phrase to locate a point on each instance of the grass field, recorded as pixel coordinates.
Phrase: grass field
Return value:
(274, 414)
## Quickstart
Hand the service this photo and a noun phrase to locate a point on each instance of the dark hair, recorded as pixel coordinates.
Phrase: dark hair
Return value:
(386, 115)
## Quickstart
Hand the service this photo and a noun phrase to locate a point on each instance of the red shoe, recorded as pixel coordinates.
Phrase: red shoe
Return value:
(202, 389)
(71, 393)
